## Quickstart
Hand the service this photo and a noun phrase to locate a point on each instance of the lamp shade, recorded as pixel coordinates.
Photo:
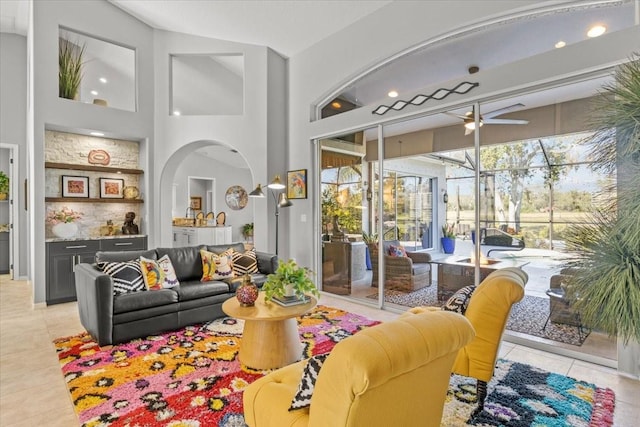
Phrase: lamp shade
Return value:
(276, 184)
(283, 202)
(257, 192)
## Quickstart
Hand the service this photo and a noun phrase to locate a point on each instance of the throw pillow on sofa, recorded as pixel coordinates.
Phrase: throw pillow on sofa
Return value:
(245, 262)
(216, 267)
(127, 276)
(158, 274)
(302, 398)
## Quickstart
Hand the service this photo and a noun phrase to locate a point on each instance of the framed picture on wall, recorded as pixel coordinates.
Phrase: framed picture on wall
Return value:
(75, 186)
(196, 203)
(297, 184)
(111, 188)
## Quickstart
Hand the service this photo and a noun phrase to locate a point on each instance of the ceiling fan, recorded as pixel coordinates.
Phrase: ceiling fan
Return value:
(488, 118)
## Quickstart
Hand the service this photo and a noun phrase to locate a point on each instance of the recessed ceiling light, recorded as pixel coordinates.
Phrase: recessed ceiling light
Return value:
(560, 44)
(176, 113)
(94, 92)
(596, 30)
(96, 133)
(102, 80)
(393, 94)
(336, 104)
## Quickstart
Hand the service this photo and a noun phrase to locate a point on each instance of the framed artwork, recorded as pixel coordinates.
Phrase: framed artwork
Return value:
(196, 203)
(111, 188)
(236, 197)
(297, 184)
(75, 186)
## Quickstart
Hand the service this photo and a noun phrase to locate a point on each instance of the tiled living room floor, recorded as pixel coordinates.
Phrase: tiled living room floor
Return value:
(33, 392)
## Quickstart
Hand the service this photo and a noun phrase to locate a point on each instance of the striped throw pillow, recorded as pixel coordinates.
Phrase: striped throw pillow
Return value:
(245, 262)
(127, 276)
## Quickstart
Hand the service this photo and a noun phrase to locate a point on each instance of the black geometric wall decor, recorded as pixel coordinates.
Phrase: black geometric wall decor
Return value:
(439, 94)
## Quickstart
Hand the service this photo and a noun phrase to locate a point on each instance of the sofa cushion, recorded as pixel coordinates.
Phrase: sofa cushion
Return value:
(120, 256)
(186, 261)
(218, 249)
(216, 267)
(196, 289)
(244, 262)
(302, 398)
(127, 276)
(397, 251)
(420, 268)
(158, 274)
(143, 300)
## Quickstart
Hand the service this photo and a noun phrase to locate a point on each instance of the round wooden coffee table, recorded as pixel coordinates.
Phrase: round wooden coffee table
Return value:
(270, 338)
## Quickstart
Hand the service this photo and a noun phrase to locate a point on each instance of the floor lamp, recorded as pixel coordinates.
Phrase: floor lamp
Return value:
(281, 200)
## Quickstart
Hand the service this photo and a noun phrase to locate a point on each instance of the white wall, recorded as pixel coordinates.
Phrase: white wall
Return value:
(318, 71)
(13, 126)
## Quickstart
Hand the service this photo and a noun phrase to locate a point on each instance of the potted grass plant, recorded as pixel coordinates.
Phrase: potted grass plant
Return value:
(606, 278)
(448, 239)
(289, 280)
(70, 65)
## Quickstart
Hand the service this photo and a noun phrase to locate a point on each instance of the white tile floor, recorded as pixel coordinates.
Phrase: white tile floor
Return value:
(33, 392)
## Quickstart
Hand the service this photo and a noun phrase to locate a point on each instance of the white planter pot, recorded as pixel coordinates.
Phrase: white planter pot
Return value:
(65, 230)
(288, 291)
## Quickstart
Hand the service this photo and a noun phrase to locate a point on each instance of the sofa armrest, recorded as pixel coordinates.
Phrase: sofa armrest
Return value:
(94, 291)
(398, 261)
(266, 401)
(267, 262)
(557, 279)
(419, 257)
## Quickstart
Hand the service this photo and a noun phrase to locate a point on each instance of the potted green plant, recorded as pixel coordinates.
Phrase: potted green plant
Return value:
(70, 64)
(4, 186)
(289, 279)
(247, 230)
(606, 270)
(448, 239)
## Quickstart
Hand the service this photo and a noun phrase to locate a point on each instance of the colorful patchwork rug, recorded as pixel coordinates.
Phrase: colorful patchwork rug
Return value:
(192, 378)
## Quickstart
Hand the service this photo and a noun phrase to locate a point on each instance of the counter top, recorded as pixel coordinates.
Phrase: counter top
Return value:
(119, 236)
(201, 226)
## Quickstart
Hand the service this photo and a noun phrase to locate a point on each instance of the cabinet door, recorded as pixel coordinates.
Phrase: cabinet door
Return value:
(179, 237)
(61, 259)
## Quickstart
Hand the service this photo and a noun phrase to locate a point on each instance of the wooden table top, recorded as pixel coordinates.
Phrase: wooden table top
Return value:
(263, 310)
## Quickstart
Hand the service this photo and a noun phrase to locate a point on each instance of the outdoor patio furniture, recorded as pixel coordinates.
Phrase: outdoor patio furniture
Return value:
(402, 273)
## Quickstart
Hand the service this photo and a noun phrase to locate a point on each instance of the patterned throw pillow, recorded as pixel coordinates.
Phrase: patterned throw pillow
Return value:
(302, 398)
(460, 300)
(127, 276)
(158, 274)
(245, 262)
(397, 251)
(216, 267)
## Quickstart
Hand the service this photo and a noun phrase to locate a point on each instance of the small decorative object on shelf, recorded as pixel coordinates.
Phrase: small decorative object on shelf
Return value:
(99, 157)
(247, 292)
(129, 226)
(131, 192)
(63, 222)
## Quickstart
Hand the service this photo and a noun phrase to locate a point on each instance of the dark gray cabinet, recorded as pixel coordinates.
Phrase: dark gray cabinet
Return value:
(62, 257)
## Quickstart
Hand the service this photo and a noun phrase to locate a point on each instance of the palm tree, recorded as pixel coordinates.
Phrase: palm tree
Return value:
(606, 284)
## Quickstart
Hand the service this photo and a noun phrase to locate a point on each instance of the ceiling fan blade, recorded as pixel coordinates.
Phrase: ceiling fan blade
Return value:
(506, 122)
(504, 110)
(458, 116)
(467, 131)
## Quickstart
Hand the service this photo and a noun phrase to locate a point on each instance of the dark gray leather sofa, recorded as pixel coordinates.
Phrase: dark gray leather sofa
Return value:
(112, 319)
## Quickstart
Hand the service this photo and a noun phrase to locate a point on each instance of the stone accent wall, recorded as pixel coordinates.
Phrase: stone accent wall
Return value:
(69, 148)
(62, 147)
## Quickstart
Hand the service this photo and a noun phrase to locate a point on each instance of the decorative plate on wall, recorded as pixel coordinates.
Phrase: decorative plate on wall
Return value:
(236, 197)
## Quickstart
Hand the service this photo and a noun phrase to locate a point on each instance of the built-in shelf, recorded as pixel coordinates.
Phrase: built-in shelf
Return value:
(108, 169)
(90, 200)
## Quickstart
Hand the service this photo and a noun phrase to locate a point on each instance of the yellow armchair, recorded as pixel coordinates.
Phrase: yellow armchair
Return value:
(488, 312)
(395, 373)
